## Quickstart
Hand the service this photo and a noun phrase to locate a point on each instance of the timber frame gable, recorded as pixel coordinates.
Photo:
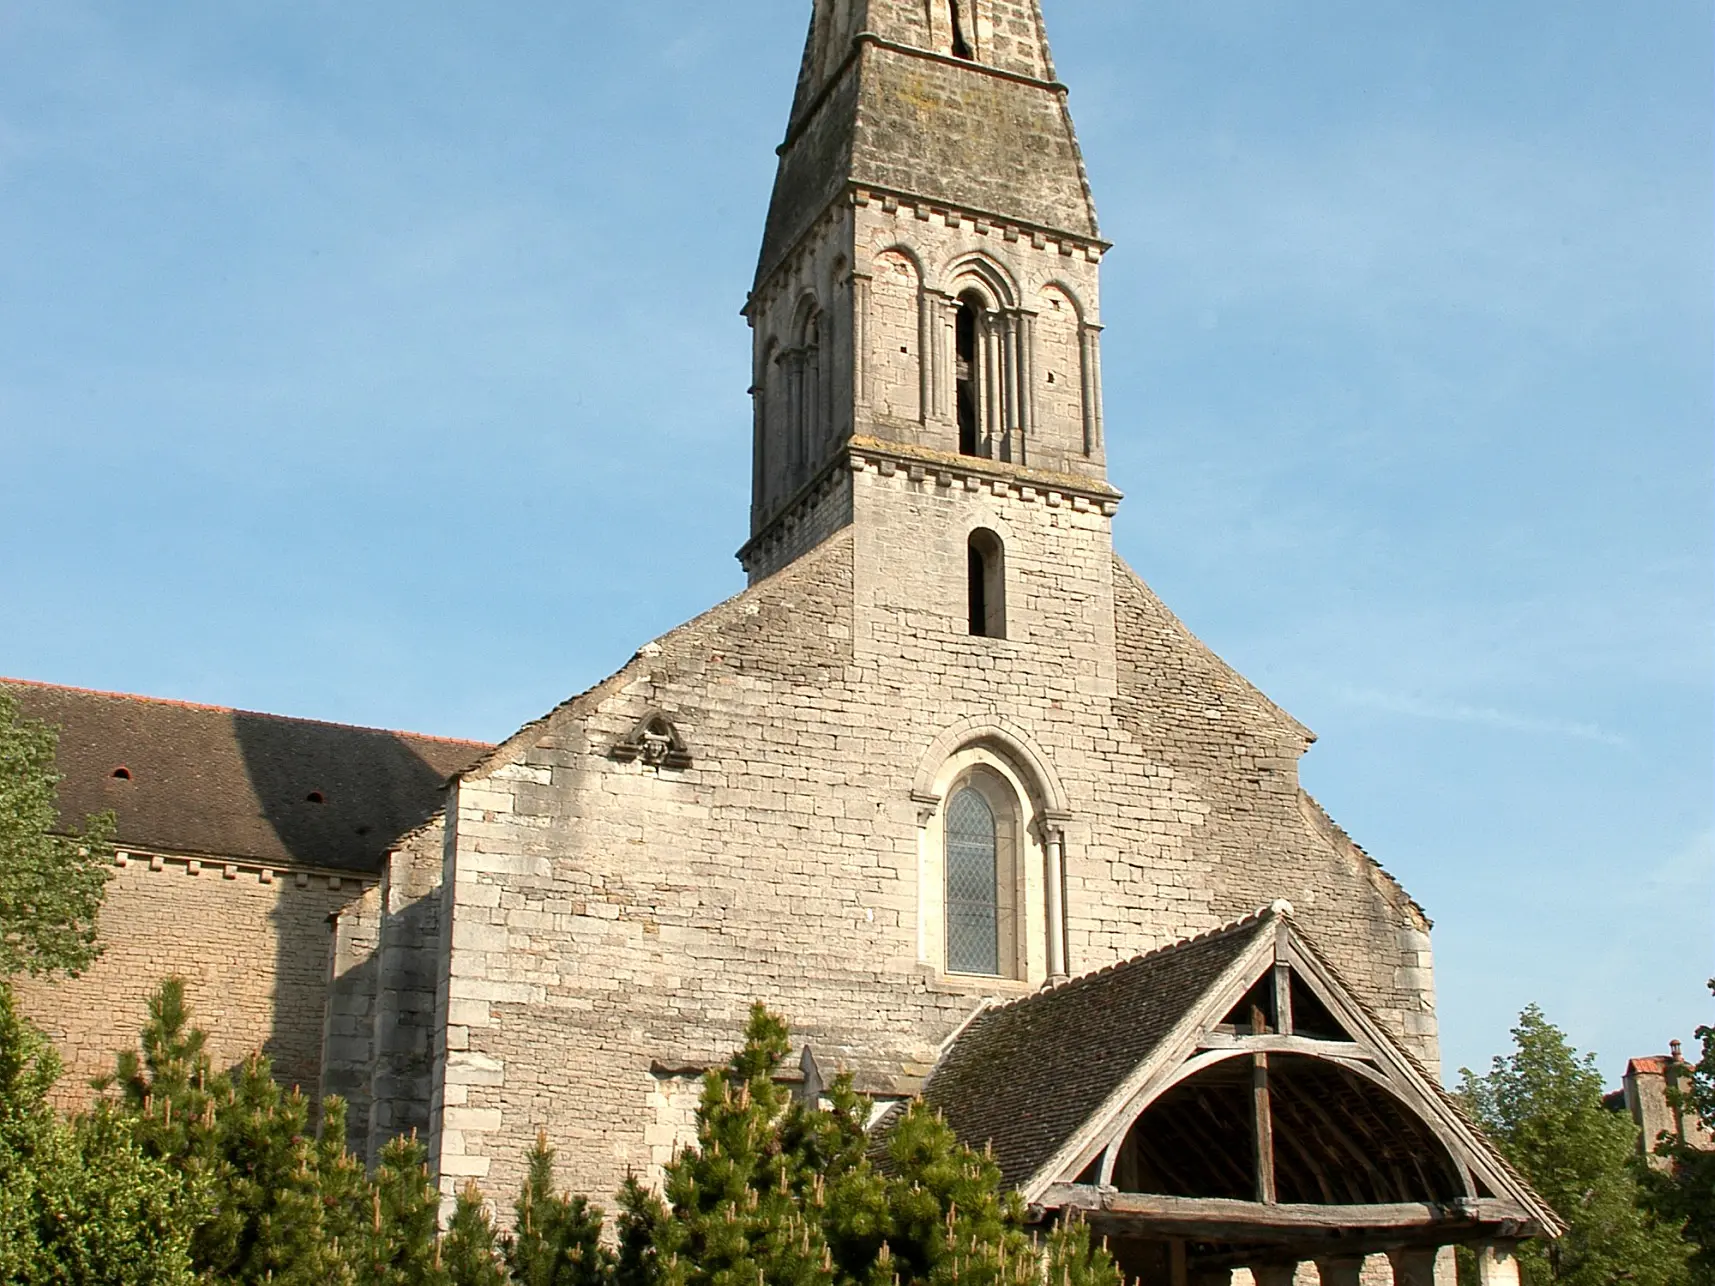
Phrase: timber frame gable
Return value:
(1232, 1093)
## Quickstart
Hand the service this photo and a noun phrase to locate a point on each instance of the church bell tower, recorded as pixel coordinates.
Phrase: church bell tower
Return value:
(927, 301)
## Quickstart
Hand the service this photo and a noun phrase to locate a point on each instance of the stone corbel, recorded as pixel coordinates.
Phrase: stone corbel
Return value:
(927, 806)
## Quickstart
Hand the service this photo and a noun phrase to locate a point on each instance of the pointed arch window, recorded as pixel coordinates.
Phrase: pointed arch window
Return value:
(973, 885)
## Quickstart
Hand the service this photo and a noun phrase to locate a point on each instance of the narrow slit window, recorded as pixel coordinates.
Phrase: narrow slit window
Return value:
(961, 46)
(966, 375)
(985, 564)
(973, 889)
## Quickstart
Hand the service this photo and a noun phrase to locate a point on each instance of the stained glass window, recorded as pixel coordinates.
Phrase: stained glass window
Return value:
(973, 912)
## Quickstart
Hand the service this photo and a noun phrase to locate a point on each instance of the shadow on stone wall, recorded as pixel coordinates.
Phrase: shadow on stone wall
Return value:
(404, 1022)
(336, 798)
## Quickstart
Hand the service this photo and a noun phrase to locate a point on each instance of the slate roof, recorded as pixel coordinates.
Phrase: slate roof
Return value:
(214, 782)
(1025, 1076)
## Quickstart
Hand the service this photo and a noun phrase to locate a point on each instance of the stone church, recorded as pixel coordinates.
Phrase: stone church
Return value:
(947, 786)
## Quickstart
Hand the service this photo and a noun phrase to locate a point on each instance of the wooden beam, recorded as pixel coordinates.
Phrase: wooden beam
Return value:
(1283, 997)
(1335, 1049)
(1265, 1185)
(1218, 1219)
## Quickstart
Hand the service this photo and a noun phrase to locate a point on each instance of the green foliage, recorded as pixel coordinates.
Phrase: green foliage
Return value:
(50, 885)
(401, 1245)
(557, 1238)
(1542, 1105)
(776, 1191)
(79, 1204)
(1684, 1196)
(187, 1175)
(289, 1208)
(470, 1254)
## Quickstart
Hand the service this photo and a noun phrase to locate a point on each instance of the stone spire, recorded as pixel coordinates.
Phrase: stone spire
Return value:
(954, 101)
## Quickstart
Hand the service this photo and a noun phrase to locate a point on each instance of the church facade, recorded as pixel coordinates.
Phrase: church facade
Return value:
(947, 786)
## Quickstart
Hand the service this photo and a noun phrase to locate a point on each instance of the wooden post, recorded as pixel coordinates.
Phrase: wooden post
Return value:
(1263, 1113)
(1179, 1266)
(1265, 1187)
(1283, 998)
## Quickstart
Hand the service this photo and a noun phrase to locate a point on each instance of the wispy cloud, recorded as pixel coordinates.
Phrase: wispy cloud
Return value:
(1442, 711)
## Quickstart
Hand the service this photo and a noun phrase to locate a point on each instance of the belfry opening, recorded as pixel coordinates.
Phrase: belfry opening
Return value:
(968, 330)
(961, 46)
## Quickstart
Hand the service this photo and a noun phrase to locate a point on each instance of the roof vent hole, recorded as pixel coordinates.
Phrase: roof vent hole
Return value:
(314, 797)
(122, 773)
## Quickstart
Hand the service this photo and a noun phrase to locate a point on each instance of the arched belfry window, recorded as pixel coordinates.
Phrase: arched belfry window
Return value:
(973, 885)
(968, 375)
(961, 43)
(986, 575)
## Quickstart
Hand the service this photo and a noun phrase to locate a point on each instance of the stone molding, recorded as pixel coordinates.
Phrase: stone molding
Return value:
(894, 200)
(226, 869)
(1040, 236)
(920, 464)
(1012, 741)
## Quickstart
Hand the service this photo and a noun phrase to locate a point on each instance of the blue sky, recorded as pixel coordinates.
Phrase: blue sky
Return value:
(382, 363)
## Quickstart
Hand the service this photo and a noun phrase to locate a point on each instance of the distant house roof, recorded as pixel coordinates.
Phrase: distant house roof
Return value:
(1024, 1076)
(1654, 1066)
(210, 781)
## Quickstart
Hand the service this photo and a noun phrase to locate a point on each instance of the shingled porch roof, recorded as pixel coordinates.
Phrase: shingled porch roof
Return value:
(1023, 1077)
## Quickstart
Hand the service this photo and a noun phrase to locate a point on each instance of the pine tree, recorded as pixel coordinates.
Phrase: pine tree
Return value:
(469, 1252)
(950, 1216)
(556, 1240)
(285, 1207)
(168, 1090)
(80, 1204)
(400, 1246)
(777, 1191)
(736, 1213)
(1542, 1105)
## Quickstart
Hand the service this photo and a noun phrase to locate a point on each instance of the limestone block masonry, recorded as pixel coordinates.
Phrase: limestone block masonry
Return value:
(757, 806)
(253, 944)
(608, 919)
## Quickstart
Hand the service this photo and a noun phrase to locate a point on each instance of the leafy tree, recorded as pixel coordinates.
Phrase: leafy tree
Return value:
(79, 1204)
(557, 1239)
(1542, 1105)
(50, 884)
(470, 1252)
(1684, 1196)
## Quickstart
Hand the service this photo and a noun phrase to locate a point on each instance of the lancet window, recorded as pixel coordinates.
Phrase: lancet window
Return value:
(986, 563)
(973, 894)
(981, 896)
(806, 395)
